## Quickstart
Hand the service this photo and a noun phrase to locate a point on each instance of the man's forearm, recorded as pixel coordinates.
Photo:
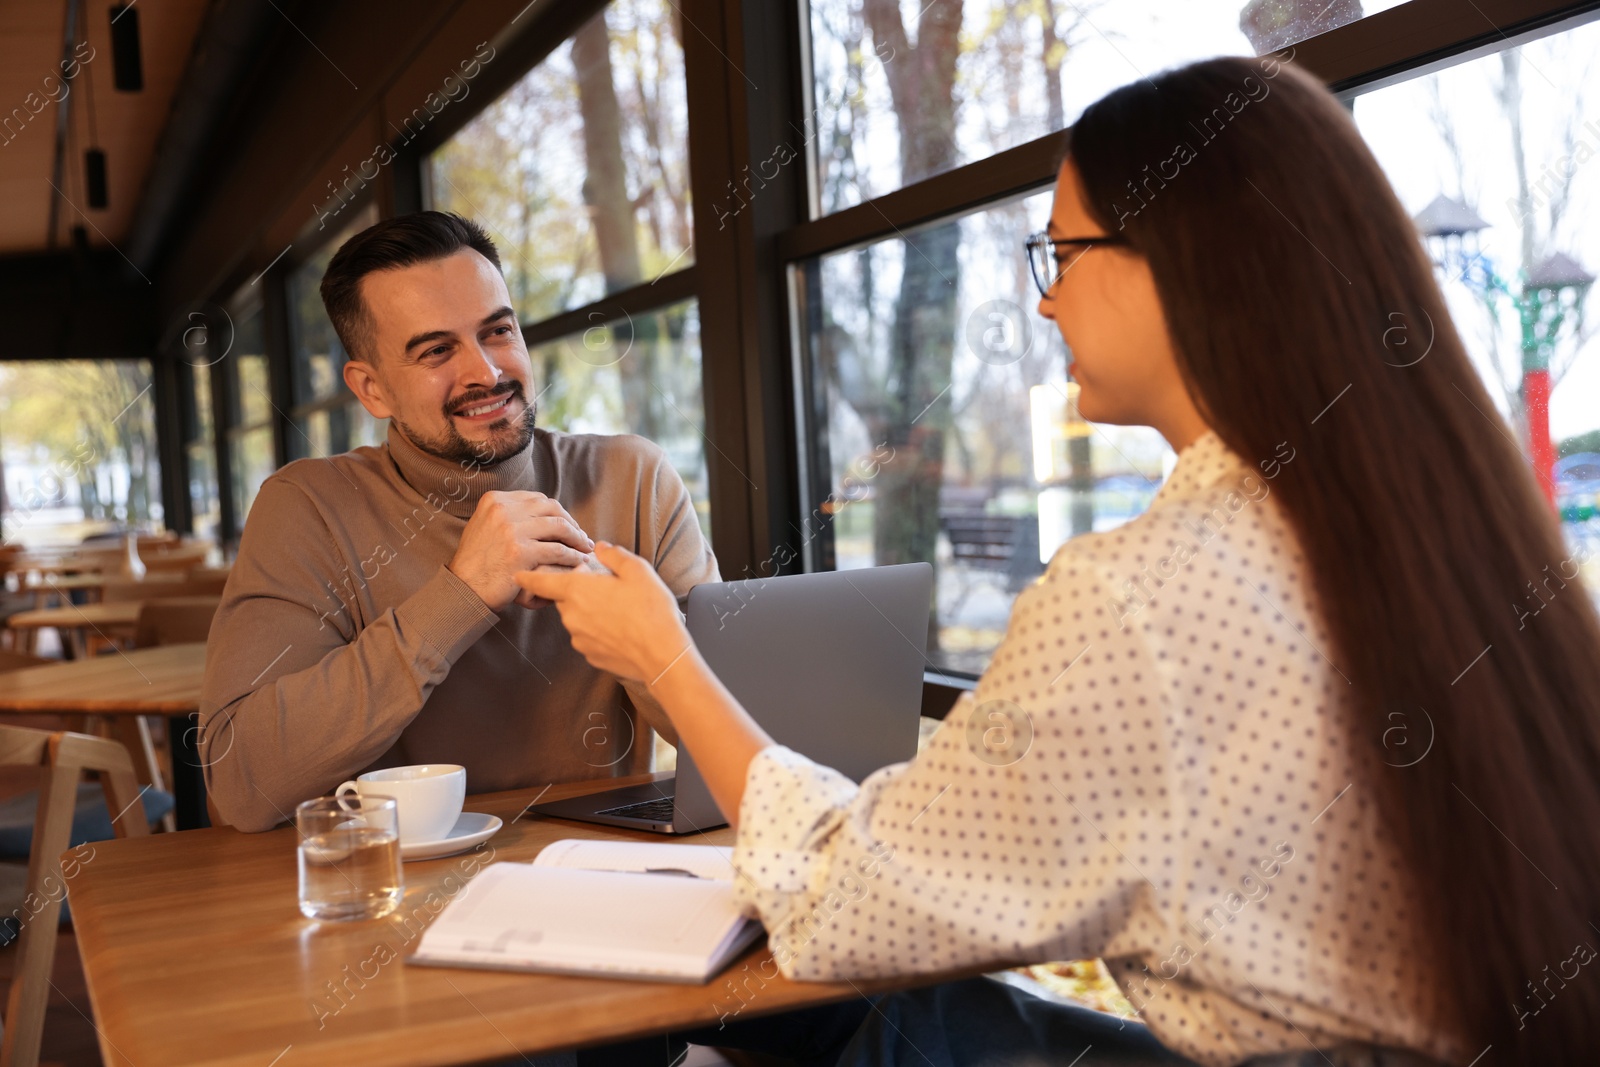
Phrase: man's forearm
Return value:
(324, 708)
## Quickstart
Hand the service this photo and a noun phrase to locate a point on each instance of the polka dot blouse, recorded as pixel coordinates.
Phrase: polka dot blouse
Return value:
(1153, 771)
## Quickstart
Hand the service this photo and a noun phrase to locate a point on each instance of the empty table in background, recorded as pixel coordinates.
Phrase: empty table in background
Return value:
(149, 681)
(92, 584)
(113, 620)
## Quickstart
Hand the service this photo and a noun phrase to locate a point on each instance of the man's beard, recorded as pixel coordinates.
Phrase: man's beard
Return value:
(506, 438)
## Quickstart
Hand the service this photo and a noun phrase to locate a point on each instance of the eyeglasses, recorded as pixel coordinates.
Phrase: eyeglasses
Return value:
(1049, 259)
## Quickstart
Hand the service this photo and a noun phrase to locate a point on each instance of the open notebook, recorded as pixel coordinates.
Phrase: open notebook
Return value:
(618, 908)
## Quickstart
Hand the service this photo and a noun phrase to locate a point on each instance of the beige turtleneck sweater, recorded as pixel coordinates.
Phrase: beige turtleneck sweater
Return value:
(344, 643)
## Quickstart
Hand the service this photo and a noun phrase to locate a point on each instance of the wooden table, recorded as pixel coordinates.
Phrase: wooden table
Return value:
(63, 564)
(116, 619)
(196, 954)
(149, 681)
(89, 583)
(47, 585)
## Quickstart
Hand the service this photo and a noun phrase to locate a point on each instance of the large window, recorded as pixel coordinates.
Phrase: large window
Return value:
(326, 417)
(641, 374)
(1497, 159)
(902, 92)
(893, 329)
(936, 418)
(200, 445)
(580, 173)
(250, 449)
(944, 424)
(77, 450)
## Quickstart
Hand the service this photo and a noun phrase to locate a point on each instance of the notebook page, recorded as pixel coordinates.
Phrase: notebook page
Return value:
(547, 918)
(639, 857)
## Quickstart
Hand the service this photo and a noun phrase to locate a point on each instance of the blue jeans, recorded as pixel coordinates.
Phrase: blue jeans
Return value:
(981, 1022)
(975, 1022)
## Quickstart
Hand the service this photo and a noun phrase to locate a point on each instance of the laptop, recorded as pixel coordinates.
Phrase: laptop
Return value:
(829, 664)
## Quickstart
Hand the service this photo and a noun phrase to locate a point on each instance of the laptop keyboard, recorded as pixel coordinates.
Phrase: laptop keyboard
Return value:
(649, 810)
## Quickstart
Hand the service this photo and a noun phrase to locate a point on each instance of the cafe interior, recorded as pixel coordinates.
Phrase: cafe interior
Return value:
(781, 241)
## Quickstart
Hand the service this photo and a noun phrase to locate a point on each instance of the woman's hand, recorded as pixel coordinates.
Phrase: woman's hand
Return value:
(625, 622)
(590, 563)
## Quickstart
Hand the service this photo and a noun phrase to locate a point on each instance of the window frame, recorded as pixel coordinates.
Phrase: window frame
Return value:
(527, 51)
(191, 435)
(747, 275)
(1390, 46)
(290, 414)
(227, 398)
(1404, 42)
(674, 286)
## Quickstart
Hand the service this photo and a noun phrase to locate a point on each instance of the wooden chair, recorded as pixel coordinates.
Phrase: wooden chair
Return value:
(10, 560)
(158, 542)
(15, 661)
(218, 575)
(62, 758)
(126, 590)
(203, 581)
(157, 624)
(18, 661)
(101, 558)
(165, 621)
(181, 559)
(123, 590)
(175, 620)
(135, 734)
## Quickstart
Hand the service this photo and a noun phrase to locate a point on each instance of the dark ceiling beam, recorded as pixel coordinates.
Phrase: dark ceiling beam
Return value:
(230, 51)
(79, 304)
(320, 88)
(329, 81)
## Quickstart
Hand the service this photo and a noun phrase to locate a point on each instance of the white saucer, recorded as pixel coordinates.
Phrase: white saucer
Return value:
(472, 828)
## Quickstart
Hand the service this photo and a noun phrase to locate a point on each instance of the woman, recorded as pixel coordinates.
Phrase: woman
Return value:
(1308, 766)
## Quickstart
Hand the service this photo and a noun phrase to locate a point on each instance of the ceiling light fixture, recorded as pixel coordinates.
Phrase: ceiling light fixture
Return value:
(127, 67)
(94, 157)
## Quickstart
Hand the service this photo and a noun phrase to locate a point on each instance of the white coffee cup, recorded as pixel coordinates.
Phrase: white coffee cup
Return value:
(429, 796)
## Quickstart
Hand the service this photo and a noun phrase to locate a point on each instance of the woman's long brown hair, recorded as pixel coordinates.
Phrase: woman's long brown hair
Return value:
(1303, 309)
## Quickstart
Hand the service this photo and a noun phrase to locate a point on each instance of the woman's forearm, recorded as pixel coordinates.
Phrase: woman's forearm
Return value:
(713, 725)
(627, 622)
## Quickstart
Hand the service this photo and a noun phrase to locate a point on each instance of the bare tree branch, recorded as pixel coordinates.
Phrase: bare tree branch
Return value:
(1445, 126)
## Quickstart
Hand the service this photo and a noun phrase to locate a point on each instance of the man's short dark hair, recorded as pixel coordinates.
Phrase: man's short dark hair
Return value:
(389, 245)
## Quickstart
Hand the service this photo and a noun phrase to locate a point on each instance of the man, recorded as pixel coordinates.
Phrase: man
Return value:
(373, 617)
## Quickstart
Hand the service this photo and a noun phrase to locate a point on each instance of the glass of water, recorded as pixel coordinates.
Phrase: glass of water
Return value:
(349, 857)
